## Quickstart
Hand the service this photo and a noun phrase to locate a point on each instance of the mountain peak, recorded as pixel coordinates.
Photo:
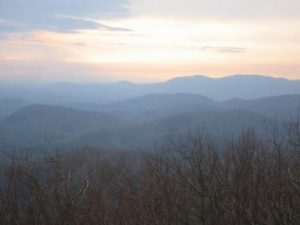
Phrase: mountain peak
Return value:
(235, 76)
(124, 82)
(252, 76)
(194, 77)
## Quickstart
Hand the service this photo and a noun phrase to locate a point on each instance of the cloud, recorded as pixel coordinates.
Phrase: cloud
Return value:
(57, 15)
(223, 49)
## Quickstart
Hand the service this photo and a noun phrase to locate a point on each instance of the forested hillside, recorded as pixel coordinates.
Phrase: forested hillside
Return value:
(139, 122)
(187, 179)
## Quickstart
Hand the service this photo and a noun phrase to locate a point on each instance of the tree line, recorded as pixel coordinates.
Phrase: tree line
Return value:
(187, 180)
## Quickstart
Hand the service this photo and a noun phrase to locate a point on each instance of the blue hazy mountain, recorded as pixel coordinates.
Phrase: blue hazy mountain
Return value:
(125, 114)
(238, 86)
(154, 106)
(139, 121)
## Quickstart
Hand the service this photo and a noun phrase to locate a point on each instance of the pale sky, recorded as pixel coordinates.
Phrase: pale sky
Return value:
(143, 40)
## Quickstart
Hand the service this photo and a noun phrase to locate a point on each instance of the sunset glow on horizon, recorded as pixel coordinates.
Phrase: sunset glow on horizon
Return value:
(134, 40)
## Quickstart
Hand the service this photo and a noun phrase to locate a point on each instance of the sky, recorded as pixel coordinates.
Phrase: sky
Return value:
(142, 40)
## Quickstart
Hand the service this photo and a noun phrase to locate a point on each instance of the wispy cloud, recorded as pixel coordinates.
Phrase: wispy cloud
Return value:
(20, 16)
(223, 49)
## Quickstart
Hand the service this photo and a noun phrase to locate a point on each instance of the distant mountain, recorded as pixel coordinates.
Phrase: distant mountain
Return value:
(52, 126)
(137, 121)
(48, 125)
(152, 106)
(220, 124)
(155, 106)
(10, 105)
(237, 86)
(283, 106)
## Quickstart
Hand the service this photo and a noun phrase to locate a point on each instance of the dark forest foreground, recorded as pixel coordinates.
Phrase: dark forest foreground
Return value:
(188, 181)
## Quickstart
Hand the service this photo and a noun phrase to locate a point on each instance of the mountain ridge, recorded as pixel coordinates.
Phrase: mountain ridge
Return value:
(50, 125)
(218, 89)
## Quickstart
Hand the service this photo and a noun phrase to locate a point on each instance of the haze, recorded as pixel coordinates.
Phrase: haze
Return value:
(166, 112)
